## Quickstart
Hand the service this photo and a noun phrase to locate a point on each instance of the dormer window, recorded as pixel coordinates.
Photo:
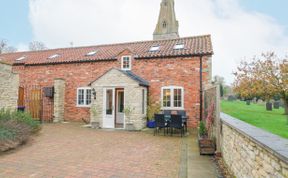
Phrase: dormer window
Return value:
(92, 53)
(154, 48)
(21, 58)
(126, 63)
(179, 46)
(54, 56)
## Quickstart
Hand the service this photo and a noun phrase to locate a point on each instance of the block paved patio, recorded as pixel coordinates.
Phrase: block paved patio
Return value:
(69, 150)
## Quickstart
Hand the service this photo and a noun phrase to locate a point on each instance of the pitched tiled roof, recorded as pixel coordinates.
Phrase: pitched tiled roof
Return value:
(197, 45)
(138, 79)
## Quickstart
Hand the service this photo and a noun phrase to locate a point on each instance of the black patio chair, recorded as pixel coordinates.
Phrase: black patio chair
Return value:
(182, 113)
(167, 115)
(160, 123)
(176, 123)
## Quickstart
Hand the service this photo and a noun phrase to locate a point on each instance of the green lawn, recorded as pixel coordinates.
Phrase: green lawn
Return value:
(273, 121)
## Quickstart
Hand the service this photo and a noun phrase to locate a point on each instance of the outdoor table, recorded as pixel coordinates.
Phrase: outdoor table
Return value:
(167, 118)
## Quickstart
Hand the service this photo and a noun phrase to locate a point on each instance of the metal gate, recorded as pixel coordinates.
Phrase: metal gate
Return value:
(36, 102)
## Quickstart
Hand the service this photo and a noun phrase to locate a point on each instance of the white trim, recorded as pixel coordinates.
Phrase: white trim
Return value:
(130, 63)
(85, 95)
(171, 88)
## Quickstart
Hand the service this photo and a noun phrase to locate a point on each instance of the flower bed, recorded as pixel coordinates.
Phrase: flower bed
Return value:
(15, 129)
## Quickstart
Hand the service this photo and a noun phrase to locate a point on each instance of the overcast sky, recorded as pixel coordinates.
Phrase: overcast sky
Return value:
(240, 29)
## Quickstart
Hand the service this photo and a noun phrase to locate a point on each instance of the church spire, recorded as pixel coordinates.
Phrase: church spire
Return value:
(167, 26)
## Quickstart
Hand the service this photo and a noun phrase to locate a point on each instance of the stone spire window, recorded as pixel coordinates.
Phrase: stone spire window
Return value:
(164, 24)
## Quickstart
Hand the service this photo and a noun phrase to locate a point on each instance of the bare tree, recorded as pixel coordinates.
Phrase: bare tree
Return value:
(3, 44)
(37, 46)
(4, 48)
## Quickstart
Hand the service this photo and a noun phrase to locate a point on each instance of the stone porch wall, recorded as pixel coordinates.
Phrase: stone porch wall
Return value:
(132, 95)
(9, 85)
(251, 152)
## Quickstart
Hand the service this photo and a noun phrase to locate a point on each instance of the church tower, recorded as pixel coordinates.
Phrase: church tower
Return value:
(167, 26)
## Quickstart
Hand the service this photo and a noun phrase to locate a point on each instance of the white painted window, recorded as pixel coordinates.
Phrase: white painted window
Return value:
(84, 96)
(172, 97)
(126, 63)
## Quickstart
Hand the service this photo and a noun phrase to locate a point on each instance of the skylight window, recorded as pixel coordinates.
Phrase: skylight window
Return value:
(154, 48)
(92, 53)
(54, 56)
(179, 46)
(21, 58)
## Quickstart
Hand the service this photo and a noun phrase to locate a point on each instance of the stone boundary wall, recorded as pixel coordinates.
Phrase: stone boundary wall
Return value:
(9, 85)
(252, 152)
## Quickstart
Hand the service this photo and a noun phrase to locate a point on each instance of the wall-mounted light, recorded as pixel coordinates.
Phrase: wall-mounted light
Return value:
(94, 93)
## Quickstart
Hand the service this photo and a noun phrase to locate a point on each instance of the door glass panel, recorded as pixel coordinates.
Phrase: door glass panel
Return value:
(109, 100)
(120, 102)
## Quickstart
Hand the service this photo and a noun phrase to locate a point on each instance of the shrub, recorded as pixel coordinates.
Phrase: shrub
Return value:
(152, 108)
(202, 129)
(15, 128)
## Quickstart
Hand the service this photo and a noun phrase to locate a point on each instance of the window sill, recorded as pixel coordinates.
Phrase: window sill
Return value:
(83, 106)
(172, 108)
(126, 69)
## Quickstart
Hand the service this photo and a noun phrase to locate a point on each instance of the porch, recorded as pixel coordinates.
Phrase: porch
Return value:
(120, 101)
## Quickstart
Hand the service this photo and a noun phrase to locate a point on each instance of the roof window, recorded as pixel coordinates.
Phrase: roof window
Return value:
(21, 58)
(179, 46)
(54, 56)
(92, 53)
(154, 48)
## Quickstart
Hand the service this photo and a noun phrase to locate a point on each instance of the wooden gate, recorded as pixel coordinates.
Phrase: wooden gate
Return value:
(36, 103)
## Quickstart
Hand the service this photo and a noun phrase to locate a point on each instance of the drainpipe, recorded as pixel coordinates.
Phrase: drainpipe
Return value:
(201, 88)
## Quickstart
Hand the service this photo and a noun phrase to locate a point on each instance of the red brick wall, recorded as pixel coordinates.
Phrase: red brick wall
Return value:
(159, 72)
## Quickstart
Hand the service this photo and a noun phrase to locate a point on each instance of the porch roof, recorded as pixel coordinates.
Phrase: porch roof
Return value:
(138, 79)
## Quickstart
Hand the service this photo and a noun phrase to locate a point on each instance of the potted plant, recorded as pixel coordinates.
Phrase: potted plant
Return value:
(205, 133)
(152, 109)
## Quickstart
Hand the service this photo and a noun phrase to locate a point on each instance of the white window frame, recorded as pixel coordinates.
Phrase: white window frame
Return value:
(171, 88)
(85, 95)
(130, 62)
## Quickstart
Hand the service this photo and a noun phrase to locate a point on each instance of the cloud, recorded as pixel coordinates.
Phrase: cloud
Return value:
(236, 33)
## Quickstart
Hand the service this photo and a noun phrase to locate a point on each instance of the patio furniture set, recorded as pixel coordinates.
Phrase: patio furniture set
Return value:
(169, 121)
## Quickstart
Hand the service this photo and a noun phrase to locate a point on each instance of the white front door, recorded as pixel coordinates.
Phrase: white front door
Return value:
(120, 107)
(108, 108)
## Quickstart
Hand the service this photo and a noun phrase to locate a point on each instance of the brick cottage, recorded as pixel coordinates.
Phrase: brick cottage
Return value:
(97, 83)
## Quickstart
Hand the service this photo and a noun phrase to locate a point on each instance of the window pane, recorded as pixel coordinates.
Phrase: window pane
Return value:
(88, 96)
(126, 63)
(80, 97)
(109, 100)
(177, 98)
(121, 102)
(166, 98)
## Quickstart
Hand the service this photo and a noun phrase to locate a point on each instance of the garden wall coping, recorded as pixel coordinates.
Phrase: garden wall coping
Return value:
(272, 143)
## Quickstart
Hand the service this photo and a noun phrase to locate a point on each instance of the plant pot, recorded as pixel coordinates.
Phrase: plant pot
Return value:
(151, 124)
(206, 146)
(21, 108)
